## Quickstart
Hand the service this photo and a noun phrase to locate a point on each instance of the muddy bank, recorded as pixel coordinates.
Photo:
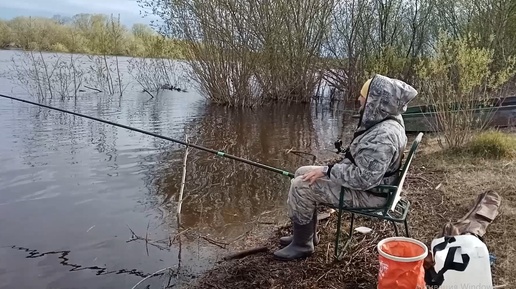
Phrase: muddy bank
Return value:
(441, 188)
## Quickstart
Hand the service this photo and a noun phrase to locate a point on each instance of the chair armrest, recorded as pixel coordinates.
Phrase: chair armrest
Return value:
(386, 187)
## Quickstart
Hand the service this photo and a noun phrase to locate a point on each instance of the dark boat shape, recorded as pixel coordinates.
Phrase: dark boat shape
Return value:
(493, 102)
(497, 112)
(498, 117)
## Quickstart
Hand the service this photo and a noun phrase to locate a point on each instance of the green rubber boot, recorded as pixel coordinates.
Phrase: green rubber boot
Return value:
(284, 241)
(302, 244)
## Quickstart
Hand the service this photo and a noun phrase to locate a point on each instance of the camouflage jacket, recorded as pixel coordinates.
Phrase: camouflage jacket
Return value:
(379, 140)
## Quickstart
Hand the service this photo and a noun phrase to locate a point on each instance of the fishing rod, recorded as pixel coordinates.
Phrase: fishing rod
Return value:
(219, 153)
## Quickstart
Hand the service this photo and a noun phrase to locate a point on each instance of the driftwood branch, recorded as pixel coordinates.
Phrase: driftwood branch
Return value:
(180, 203)
(147, 240)
(93, 88)
(420, 178)
(178, 235)
(320, 217)
(214, 242)
(182, 187)
(151, 95)
(301, 153)
(245, 253)
(169, 241)
(150, 276)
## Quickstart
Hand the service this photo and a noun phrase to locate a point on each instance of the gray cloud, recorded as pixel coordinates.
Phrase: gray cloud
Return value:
(128, 9)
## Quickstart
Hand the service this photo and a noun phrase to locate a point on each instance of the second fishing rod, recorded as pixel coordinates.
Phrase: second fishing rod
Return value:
(219, 153)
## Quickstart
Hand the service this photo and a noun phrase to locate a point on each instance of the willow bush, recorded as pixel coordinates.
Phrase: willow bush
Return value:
(221, 61)
(292, 37)
(156, 74)
(247, 53)
(456, 81)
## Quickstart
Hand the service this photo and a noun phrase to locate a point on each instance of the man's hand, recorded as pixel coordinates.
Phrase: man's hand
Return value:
(313, 175)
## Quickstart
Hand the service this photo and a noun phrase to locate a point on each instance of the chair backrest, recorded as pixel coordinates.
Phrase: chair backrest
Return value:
(405, 168)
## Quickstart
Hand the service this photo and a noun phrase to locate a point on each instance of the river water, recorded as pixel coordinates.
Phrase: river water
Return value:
(70, 188)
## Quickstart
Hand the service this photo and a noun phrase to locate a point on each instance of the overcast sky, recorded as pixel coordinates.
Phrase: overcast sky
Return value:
(128, 9)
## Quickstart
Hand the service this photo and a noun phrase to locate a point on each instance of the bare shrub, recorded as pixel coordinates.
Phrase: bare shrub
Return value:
(246, 53)
(103, 75)
(154, 74)
(368, 37)
(47, 76)
(104, 71)
(291, 38)
(221, 62)
(68, 76)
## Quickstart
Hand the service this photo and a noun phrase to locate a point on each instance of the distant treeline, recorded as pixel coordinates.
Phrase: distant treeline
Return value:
(87, 34)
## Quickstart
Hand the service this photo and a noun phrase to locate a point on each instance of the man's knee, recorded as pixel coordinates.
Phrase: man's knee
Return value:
(297, 188)
(298, 183)
(300, 171)
(300, 201)
(304, 169)
(321, 191)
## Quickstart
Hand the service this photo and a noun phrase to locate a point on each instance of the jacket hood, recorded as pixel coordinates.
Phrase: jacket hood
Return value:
(386, 98)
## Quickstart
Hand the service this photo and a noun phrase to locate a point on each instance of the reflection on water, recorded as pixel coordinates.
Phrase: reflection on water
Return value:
(65, 261)
(71, 187)
(222, 193)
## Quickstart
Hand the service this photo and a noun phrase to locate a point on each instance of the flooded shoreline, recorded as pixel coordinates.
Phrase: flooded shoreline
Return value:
(72, 189)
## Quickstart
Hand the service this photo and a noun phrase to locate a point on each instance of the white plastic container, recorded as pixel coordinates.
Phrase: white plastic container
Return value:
(471, 255)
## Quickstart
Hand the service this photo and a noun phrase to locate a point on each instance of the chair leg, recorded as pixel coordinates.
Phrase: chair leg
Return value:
(351, 231)
(339, 220)
(351, 226)
(395, 228)
(406, 228)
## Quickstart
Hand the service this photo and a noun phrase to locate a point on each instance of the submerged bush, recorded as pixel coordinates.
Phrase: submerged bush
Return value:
(492, 144)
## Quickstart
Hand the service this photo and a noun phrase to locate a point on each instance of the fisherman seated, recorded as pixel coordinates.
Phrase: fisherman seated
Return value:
(372, 158)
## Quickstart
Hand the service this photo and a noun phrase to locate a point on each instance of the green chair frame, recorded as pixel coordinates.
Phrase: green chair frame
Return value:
(395, 210)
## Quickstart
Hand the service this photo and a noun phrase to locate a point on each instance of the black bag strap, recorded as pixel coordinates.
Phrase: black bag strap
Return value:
(349, 156)
(437, 278)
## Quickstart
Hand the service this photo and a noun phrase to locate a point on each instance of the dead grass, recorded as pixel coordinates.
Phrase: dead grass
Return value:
(441, 188)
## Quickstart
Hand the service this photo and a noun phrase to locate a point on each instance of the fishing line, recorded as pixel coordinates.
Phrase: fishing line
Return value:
(219, 153)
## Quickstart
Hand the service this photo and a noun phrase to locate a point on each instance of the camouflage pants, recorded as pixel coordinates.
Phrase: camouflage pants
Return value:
(303, 197)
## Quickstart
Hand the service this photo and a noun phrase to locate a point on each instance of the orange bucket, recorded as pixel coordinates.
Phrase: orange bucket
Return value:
(401, 263)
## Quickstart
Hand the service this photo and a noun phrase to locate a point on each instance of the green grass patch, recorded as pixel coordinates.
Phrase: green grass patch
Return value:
(492, 145)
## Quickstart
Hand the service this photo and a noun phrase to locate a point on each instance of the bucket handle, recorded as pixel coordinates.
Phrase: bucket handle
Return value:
(434, 278)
